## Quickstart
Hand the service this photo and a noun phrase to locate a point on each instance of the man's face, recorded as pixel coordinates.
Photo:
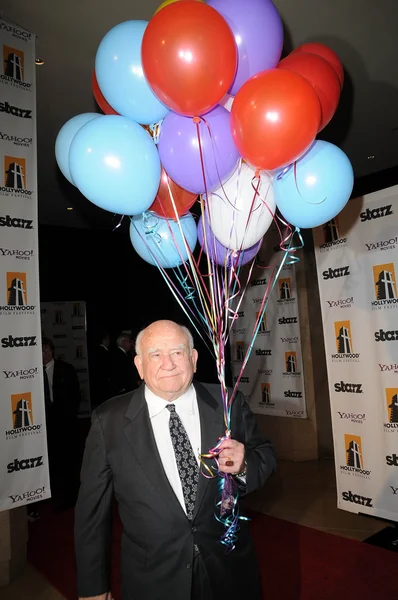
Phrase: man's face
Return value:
(166, 364)
(47, 354)
(127, 344)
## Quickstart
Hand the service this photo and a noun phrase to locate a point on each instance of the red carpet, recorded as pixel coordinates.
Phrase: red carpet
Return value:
(297, 563)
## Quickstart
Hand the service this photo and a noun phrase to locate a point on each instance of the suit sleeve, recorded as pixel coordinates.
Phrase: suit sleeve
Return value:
(260, 457)
(93, 517)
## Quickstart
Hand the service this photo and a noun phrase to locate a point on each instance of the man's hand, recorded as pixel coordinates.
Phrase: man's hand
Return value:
(231, 457)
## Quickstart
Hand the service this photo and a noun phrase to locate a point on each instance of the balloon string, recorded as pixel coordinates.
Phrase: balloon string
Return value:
(120, 222)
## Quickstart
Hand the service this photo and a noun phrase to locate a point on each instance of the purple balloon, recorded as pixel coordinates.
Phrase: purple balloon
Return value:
(258, 32)
(218, 253)
(179, 150)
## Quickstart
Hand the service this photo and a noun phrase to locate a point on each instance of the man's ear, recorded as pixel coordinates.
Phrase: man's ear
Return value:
(138, 364)
(195, 356)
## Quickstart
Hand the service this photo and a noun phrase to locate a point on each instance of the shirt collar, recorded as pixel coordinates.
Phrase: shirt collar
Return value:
(50, 364)
(122, 349)
(183, 404)
(102, 346)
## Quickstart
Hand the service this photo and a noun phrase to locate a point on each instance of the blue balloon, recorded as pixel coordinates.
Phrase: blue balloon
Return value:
(318, 189)
(154, 239)
(120, 76)
(64, 140)
(115, 164)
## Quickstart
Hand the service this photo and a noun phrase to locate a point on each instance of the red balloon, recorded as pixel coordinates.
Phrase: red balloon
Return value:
(326, 53)
(323, 78)
(189, 57)
(275, 118)
(99, 98)
(163, 205)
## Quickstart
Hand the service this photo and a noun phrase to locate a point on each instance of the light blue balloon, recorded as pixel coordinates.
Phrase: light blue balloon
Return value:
(318, 190)
(64, 140)
(154, 239)
(120, 76)
(115, 164)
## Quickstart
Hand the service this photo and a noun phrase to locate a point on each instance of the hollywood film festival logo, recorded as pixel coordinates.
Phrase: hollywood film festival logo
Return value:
(291, 369)
(285, 293)
(354, 462)
(15, 294)
(22, 417)
(15, 178)
(13, 72)
(331, 236)
(391, 407)
(385, 287)
(266, 398)
(263, 329)
(344, 343)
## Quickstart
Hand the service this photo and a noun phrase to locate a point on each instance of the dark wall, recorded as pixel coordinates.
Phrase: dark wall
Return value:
(120, 289)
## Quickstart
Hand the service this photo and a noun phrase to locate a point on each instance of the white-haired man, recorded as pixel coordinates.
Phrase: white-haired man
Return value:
(143, 449)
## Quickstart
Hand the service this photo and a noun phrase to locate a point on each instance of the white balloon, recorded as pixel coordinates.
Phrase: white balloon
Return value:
(238, 222)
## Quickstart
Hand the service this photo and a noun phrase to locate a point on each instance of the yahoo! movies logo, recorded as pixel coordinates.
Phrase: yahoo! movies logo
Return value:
(22, 418)
(13, 73)
(344, 343)
(385, 287)
(391, 403)
(331, 236)
(15, 181)
(16, 295)
(266, 398)
(354, 462)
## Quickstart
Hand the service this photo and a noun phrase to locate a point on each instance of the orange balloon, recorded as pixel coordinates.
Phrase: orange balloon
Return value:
(323, 78)
(275, 118)
(167, 2)
(99, 98)
(189, 57)
(163, 205)
(326, 53)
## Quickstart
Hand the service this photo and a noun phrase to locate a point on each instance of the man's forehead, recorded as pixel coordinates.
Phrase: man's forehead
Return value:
(164, 338)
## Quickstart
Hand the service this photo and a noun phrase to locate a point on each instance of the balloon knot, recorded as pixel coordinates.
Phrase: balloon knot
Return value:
(196, 119)
(257, 174)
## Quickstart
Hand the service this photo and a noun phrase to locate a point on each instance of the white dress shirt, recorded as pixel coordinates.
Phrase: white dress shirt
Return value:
(187, 409)
(50, 377)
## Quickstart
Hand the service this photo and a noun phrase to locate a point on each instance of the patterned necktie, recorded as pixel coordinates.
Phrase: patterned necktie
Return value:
(186, 462)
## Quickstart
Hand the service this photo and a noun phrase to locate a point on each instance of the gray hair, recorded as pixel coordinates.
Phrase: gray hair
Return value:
(184, 329)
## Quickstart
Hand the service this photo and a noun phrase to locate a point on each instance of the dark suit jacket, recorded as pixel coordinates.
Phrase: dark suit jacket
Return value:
(124, 374)
(121, 459)
(101, 376)
(66, 393)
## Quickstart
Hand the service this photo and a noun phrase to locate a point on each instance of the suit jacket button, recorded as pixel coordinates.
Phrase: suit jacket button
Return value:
(194, 529)
(189, 566)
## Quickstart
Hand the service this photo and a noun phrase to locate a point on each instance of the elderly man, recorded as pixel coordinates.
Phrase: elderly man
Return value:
(143, 450)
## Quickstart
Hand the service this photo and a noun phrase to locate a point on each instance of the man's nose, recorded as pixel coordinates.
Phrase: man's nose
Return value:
(167, 363)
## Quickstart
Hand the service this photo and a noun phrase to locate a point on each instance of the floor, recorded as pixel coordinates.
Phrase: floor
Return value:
(304, 493)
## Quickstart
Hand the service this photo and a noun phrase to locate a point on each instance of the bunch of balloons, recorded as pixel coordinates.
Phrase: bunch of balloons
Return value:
(197, 102)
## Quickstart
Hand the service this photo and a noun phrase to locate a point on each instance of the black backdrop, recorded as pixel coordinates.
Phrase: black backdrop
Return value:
(122, 291)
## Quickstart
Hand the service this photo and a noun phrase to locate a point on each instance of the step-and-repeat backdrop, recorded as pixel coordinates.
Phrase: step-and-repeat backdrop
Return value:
(357, 262)
(23, 448)
(65, 323)
(272, 382)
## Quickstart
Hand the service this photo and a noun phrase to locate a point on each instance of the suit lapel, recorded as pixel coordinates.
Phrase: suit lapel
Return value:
(211, 426)
(140, 436)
